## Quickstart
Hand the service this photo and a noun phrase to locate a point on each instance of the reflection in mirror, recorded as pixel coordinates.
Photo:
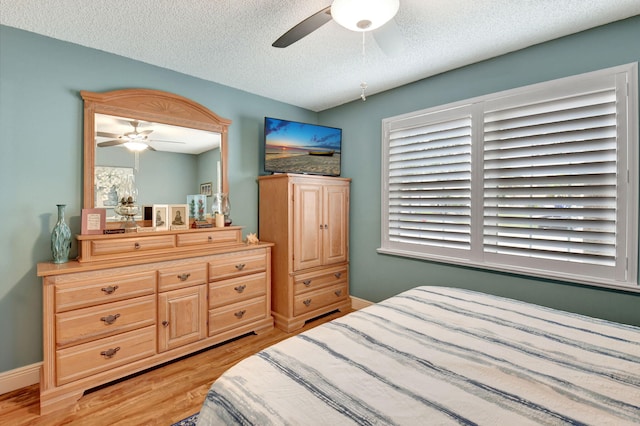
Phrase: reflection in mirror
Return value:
(167, 162)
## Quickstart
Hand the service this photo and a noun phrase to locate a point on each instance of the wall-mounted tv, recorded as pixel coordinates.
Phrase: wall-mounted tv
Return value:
(294, 147)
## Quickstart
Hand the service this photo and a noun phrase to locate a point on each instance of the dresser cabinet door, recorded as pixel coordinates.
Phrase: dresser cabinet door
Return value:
(182, 317)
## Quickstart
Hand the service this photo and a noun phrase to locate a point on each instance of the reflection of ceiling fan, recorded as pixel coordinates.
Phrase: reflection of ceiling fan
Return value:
(134, 141)
(355, 15)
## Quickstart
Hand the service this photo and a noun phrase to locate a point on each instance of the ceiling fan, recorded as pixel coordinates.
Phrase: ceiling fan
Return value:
(134, 141)
(355, 15)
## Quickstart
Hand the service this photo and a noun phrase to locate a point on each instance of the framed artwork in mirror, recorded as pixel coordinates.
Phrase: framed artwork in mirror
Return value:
(179, 216)
(107, 181)
(205, 189)
(159, 217)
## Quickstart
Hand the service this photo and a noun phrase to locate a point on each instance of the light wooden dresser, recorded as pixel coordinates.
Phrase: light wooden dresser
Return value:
(307, 217)
(133, 301)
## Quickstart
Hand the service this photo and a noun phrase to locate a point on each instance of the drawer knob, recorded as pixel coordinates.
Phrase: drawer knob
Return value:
(183, 277)
(109, 290)
(110, 352)
(110, 319)
(240, 288)
(240, 314)
(165, 323)
(136, 246)
(209, 238)
(338, 274)
(307, 302)
(338, 292)
(306, 282)
(240, 266)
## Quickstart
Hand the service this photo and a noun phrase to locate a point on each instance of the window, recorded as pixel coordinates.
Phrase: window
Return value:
(540, 180)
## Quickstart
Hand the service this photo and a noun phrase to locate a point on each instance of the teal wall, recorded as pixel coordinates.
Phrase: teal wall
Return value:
(376, 276)
(41, 163)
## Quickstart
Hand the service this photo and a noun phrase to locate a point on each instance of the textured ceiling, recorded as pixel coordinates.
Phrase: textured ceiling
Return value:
(229, 41)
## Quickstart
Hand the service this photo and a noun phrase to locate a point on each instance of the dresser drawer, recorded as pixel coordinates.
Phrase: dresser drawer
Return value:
(96, 289)
(237, 289)
(181, 276)
(101, 355)
(82, 325)
(228, 317)
(231, 236)
(122, 246)
(240, 263)
(319, 279)
(311, 301)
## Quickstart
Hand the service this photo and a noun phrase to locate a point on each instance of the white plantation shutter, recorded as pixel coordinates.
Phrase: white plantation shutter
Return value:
(539, 180)
(430, 184)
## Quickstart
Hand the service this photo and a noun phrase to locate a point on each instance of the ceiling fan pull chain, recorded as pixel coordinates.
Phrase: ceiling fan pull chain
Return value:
(363, 85)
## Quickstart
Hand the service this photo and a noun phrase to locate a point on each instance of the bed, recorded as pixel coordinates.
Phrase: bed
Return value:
(439, 355)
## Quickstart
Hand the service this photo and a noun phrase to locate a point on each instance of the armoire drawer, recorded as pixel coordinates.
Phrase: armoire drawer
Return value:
(237, 289)
(239, 263)
(82, 325)
(94, 290)
(180, 276)
(229, 317)
(311, 301)
(319, 279)
(101, 355)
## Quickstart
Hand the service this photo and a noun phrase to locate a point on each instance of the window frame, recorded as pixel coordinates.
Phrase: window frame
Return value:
(626, 77)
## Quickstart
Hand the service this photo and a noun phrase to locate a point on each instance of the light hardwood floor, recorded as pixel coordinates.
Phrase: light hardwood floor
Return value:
(161, 396)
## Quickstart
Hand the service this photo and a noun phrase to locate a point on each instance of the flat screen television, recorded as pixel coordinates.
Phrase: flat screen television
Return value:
(294, 147)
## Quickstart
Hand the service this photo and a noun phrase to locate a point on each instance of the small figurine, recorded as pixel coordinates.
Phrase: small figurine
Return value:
(252, 238)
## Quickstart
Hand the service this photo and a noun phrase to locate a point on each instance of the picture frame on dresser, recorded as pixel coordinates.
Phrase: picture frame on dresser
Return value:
(93, 221)
(179, 216)
(159, 217)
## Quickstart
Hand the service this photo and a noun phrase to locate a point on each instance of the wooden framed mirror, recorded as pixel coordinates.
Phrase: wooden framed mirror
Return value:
(169, 125)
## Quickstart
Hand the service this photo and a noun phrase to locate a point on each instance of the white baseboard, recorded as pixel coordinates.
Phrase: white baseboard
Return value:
(20, 377)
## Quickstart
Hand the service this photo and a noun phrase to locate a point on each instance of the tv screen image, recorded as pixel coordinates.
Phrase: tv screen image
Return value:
(294, 147)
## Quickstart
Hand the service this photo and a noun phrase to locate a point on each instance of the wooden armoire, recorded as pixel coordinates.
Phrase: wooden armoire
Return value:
(307, 217)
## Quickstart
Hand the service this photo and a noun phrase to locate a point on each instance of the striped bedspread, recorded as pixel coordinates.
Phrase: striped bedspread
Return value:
(437, 355)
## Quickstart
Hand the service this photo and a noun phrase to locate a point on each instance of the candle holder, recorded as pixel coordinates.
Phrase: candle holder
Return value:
(127, 207)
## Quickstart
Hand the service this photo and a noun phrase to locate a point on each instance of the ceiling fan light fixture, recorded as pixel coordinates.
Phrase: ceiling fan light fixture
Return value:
(363, 15)
(135, 146)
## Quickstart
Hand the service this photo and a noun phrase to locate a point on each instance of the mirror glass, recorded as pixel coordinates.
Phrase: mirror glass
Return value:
(167, 162)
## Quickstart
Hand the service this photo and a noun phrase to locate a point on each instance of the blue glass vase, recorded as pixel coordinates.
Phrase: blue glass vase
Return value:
(60, 238)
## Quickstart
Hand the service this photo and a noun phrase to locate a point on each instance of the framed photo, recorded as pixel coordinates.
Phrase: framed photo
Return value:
(178, 216)
(159, 217)
(197, 207)
(93, 221)
(205, 189)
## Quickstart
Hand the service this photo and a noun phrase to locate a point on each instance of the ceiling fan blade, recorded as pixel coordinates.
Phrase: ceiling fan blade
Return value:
(304, 28)
(389, 38)
(107, 135)
(111, 143)
(150, 148)
(145, 132)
